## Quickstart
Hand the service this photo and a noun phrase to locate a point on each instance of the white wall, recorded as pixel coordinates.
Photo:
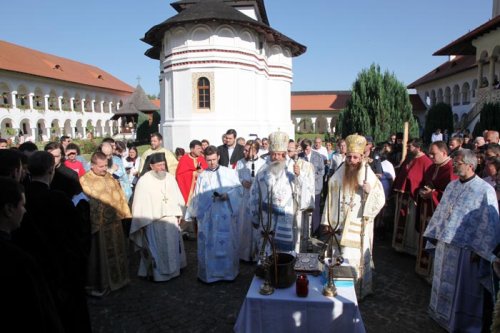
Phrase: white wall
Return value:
(251, 86)
(17, 115)
(460, 78)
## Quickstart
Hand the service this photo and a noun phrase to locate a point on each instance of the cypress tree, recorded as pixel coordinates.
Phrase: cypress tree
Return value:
(379, 106)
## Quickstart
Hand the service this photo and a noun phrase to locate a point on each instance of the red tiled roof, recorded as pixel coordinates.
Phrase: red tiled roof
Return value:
(463, 45)
(24, 60)
(156, 103)
(319, 101)
(457, 65)
(417, 103)
(335, 101)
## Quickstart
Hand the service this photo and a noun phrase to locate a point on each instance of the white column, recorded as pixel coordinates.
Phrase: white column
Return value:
(71, 100)
(73, 134)
(493, 59)
(313, 120)
(93, 105)
(46, 102)
(34, 134)
(117, 106)
(479, 73)
(13, 95)
(48, 133)
(30, 100)
(59, 103)
(297, 122)
(110, 106)
(329, 124)
(102, 106)
(83, 104)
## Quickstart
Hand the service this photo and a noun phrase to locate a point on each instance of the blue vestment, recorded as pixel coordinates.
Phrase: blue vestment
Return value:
(465, 228)
(218, 246)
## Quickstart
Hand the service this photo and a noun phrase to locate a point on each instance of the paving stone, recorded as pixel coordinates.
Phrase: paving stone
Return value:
(399, 303)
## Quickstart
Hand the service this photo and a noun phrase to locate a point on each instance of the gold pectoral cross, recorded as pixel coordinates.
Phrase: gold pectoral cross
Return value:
(344, 203)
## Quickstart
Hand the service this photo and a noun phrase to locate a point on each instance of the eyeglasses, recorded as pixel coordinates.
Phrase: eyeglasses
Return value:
(458, 163)
(70, 154)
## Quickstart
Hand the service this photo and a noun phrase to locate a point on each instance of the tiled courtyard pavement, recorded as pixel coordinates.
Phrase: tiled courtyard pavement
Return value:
(184, 304)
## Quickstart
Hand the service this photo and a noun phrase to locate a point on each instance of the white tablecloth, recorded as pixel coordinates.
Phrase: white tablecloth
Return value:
(283, 311)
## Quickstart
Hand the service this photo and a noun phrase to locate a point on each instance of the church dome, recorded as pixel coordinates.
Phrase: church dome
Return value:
(216, 11)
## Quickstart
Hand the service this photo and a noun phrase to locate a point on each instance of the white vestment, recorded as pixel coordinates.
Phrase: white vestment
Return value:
(280, 201)
(343, 209)
(154, 230)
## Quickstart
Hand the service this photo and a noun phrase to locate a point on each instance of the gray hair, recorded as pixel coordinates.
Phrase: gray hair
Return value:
(468, 157)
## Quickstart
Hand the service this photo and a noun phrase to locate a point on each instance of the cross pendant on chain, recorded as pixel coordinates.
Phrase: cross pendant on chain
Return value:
(350, 204)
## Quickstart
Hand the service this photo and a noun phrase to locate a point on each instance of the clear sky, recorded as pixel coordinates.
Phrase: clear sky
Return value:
(342, 36)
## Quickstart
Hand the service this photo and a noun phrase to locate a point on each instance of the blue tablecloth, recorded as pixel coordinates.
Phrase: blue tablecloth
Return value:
(283, 311)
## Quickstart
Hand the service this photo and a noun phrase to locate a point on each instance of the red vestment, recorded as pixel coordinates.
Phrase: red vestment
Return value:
(407, 183)
(411, 175)
(186, 174)
(437, 177)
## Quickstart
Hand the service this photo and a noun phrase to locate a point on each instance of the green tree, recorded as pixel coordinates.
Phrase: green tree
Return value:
(439, 116)
(379, 106)
(145, 128)
(489, 119)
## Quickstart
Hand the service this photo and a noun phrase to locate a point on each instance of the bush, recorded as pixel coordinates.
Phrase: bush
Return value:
(489, 119)
(87, 146)
(438, 116)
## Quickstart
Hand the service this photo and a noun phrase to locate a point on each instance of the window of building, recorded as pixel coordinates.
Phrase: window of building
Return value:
(203, 93)
(465, 93)
(456, 95)
(447, 95)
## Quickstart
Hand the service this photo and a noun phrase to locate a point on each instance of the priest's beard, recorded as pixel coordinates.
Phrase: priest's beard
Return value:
(160, 174)
(276, 168)
(350, 180)
(410, 156)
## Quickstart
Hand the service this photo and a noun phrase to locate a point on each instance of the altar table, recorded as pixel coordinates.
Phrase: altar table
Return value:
(284, 311)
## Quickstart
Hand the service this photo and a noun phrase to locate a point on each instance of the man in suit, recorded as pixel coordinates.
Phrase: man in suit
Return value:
(319, 171)
(230, 152)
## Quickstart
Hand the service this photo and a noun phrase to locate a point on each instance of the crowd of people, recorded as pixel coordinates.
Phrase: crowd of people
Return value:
(66, 223)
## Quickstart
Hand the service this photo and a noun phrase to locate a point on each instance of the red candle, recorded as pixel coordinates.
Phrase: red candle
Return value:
(302, 285)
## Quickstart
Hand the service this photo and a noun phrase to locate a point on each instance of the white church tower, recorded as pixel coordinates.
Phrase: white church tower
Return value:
(496, 8)
(222, 66)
